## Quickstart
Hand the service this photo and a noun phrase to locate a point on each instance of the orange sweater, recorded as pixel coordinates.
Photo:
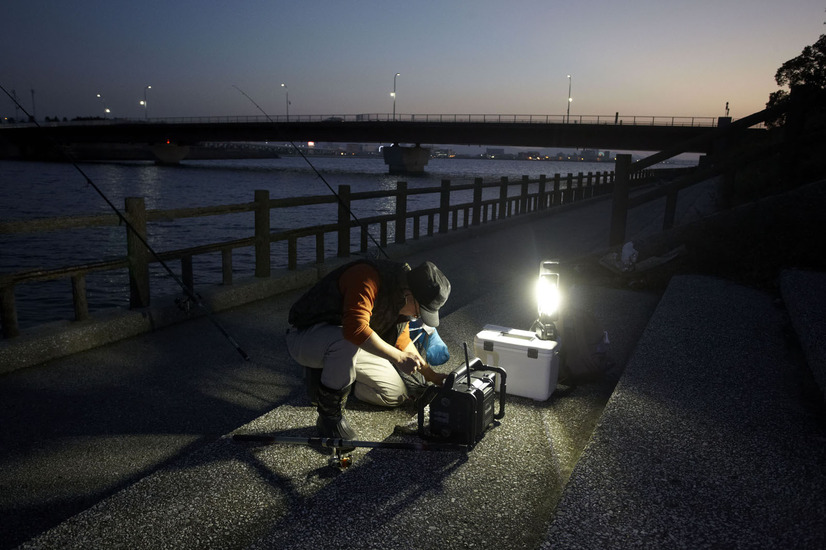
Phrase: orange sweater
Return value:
(359, 285)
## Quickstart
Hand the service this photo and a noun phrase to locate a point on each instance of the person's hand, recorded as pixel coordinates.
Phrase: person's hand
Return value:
(432, 376)
(409, 362)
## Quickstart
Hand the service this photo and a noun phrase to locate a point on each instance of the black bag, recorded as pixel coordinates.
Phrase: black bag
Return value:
(584, 348)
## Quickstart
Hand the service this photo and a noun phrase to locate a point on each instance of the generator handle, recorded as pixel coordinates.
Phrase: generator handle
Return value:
(502, 386)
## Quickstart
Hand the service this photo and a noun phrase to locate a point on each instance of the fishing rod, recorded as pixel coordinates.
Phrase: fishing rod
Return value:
(344, 460)
(317, 173)
(190, 293)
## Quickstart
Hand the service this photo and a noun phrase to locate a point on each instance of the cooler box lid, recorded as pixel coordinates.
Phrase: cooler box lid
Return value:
(505, 338)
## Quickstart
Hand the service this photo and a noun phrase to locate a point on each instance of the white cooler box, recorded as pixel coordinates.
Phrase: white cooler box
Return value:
(532, 364)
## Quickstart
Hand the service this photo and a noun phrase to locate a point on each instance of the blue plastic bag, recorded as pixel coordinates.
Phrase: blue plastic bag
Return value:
(429, 343)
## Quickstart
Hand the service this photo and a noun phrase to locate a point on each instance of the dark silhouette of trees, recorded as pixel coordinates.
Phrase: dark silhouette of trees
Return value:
(804, 75)
(797, 127)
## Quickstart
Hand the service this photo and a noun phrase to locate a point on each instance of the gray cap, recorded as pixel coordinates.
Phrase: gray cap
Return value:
(431, 289)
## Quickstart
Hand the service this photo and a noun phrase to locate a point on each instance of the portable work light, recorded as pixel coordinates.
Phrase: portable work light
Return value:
(548, 300)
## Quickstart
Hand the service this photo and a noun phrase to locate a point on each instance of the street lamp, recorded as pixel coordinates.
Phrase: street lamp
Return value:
(394, 95)
(287, 91)
(145, 104)
(103, 102)
(568, 118)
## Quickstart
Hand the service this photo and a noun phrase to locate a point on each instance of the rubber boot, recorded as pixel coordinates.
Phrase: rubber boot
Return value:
(312, 378)
(331, 421)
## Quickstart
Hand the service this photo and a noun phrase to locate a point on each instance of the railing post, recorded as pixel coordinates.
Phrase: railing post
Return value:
(136, 252)
(800, 103)
(557, 197)
(503, 197)
(444, 207)
(619, 207)
(8, 312)
(589, 185)
(79, 300)
(542, 204)
(226, 266)
(580, 192)
(292, 253)
(670, 210)
(319, 248)
(187, 275)
(569, 190)
(262, 233)
(343, 221)
(401, 212)
(477, 201)
(523, 200)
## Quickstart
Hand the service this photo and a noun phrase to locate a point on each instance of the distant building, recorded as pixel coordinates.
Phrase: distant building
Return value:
(594, 155)
(492, 152)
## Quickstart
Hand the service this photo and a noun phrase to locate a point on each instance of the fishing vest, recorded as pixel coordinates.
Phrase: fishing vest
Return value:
(323, 303)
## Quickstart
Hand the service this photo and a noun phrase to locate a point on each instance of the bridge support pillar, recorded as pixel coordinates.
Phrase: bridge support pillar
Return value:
(169, 153)
(406, 160)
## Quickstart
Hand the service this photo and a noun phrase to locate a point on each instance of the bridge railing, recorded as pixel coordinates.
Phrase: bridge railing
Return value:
(453, 207)
(617, 119)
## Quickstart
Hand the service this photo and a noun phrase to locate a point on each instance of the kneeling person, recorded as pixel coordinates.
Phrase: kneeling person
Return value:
(351, 332)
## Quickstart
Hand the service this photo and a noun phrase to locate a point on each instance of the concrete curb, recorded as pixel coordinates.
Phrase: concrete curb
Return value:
(804, 293)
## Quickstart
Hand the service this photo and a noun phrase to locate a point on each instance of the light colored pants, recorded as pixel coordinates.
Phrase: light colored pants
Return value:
(322, 346)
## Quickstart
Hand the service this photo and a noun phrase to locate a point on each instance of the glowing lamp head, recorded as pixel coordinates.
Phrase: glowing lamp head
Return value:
(548, 300)
(547, 290)
(547, 296)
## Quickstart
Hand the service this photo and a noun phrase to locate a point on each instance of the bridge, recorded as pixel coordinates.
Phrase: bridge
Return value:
(171, 138)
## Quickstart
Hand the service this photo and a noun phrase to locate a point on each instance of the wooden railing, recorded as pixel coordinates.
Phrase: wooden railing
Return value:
(717, 164)
(727, 154)
(449, 214)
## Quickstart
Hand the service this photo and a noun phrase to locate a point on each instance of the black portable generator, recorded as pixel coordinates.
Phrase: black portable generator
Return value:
(463, 407)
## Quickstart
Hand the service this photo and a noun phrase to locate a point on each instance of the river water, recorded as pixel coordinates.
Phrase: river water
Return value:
(42, 190)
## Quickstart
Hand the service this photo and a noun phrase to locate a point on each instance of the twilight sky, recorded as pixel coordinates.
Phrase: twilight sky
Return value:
(639, 57)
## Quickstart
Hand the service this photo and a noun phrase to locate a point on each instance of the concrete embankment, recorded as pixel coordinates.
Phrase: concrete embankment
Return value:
(142, 422)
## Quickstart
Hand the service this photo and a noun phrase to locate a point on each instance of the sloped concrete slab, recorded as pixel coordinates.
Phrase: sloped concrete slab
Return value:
(705, 442)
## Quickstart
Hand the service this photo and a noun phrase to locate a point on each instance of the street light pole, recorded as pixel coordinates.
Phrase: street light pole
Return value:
(287, 91)
(394, 95)
(105, 110)
(145, 104)
(568, 118)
